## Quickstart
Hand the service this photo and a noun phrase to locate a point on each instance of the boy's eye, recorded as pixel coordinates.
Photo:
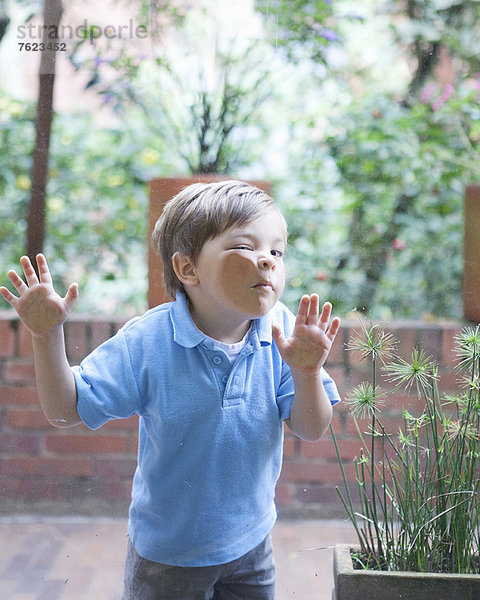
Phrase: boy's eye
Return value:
(276, 253)
(242, 247)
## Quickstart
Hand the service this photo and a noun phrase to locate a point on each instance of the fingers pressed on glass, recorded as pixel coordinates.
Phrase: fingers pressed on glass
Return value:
(326, 313)
(334, 327)
(7, 295)
(303, 310)
(29, 271)
(17, 281)
(312, 318)
(43, 269)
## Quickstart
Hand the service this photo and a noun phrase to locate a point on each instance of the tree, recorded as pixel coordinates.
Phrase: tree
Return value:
(4, 19)
(36, 212)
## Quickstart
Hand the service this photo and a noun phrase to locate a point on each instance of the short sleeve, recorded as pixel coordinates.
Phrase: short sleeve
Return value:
(106, 387)
(286, 391)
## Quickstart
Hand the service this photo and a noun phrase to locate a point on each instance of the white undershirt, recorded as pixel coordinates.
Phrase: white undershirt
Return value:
(232, 350)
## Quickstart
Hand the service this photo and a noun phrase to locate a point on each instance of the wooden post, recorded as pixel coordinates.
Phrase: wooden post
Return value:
(161, 191)
(471, 252)
(39, 176)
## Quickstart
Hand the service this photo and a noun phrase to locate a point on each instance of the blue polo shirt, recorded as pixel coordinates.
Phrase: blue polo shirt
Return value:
(210, 433)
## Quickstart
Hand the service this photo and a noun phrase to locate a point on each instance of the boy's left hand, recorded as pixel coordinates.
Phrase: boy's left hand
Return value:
(306, 349)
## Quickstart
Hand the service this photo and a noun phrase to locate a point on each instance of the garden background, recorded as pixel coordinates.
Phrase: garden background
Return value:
(365, 118)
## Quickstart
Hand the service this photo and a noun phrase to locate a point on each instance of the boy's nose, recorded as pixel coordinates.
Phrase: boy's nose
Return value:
(266, 262)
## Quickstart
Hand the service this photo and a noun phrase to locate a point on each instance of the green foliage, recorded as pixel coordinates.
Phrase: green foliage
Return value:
(303, 29)
(404, 171)
(453, 24)
(16, 133)
(96, 205)
(376, 214)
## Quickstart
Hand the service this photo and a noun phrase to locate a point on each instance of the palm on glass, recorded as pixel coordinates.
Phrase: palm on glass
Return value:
(306, 349)
(38, 305)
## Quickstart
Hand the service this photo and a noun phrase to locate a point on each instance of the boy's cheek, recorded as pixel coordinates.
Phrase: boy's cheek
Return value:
(237, 265)
(281, 282)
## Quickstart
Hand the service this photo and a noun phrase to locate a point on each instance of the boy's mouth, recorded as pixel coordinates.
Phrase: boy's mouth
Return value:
(263, 284)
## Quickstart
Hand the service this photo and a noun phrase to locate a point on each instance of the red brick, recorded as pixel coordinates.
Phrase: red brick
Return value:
(355, 357)
(358, 376)
(27, 419)
(20, 371)
(100, 332)
(30, 488)
(7, 338)
(118, 324)
(111, 468)
(399, 401)
(283, 493)
(76, 340)
(429, 339)
(25, 346)
(385, 383)
(325, 449)
(452, 381)
(406, 337)
(41, 488)
(86, 444)
(18, 394)
(338, 375)
(132, 445)
(308, 470)
(19, 443)
(316, 494)
(46, 466)
(117, 490)
(338, 419)
(349, 426)
(289, 446)
(337, 351)
(449, 349)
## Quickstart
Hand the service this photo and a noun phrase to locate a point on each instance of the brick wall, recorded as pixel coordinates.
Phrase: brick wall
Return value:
(77, 469)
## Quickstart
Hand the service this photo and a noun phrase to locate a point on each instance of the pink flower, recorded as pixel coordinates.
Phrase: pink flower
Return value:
(398, 244)
(321, 275)
(447, 92)
(427, 93)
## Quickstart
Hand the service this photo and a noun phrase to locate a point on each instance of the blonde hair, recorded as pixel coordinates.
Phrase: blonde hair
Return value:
(200, 212)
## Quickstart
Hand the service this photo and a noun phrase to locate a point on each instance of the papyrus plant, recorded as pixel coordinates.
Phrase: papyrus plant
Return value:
(417, 500)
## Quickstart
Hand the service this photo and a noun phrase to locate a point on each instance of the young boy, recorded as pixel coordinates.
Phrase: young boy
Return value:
(212, 376)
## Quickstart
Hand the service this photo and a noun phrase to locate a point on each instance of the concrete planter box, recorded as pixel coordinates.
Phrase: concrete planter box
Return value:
(352, 584)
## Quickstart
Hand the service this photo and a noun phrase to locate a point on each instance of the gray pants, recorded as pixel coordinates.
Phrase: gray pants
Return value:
(250, 577)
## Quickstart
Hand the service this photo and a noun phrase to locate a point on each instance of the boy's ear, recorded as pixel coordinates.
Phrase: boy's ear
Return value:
(184, 269)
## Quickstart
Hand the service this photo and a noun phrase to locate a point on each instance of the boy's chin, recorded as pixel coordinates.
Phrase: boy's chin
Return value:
(263, 309)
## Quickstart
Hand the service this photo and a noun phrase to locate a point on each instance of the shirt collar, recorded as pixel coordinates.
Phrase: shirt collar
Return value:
(262, 327)
(186, 334)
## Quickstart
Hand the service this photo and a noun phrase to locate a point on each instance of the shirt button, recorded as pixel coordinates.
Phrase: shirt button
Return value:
(225, 378)
(217, 360)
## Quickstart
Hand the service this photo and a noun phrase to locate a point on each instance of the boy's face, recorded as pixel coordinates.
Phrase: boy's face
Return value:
(240, 274)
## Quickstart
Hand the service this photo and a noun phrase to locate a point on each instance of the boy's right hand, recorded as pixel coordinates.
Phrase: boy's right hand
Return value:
(38, 305)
